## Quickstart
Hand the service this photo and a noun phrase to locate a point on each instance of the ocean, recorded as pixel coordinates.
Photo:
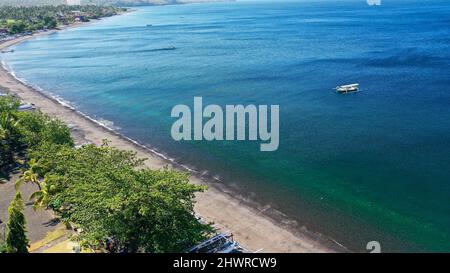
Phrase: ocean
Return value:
(369, 166)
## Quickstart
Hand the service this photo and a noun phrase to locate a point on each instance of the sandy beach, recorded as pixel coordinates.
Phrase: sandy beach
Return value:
(249, 223)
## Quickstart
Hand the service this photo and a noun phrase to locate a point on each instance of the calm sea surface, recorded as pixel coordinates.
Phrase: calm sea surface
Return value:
(360, 167)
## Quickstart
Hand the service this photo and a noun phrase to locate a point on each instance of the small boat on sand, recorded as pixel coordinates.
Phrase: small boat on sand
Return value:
(26, 107)
(221, 243)
(349, 88)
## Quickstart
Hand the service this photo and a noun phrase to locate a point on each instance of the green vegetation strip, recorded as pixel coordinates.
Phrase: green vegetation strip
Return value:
(106, 193)
(14, 20)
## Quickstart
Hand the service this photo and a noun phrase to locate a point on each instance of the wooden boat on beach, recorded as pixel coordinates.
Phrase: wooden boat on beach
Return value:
(349, 88)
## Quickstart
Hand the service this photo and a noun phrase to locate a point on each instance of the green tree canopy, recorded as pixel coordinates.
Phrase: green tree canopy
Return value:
(16, 239)
(16, 26)
(9, 127)
(22, 131)
(108, 194)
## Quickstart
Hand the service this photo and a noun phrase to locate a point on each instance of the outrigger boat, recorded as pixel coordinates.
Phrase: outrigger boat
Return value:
(221, 243)
(350, 88)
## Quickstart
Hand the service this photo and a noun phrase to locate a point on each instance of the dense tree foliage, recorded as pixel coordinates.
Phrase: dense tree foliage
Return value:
(106, 193)
(9, 137)
(16, 238)
(23, 131)
(20, 19)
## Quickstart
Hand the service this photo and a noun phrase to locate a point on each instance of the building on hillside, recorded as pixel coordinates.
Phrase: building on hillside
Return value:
(81, 18)
(73, 2)
(3, 34)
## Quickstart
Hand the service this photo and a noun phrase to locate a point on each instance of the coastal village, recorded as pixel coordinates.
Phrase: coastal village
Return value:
(15, 23)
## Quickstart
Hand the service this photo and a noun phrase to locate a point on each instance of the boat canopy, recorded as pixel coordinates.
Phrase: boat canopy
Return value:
(350, 85)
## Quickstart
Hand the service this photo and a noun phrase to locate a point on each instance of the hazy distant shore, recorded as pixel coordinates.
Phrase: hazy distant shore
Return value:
(251, 226)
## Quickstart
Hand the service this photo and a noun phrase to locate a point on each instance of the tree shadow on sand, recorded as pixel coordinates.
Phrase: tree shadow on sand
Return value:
(5, 173)
(53, 222)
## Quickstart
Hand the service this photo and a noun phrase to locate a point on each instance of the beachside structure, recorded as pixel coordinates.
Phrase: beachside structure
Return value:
(348, 88)
(73, 2)
(80, 16)
(3, 33)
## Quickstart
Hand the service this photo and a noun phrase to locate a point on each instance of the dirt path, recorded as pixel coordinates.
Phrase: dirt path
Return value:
(39, 222)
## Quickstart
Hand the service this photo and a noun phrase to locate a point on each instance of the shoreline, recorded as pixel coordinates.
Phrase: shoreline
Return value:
(256, 227)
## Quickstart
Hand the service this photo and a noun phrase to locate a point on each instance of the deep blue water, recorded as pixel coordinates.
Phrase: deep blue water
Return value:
(360, 167)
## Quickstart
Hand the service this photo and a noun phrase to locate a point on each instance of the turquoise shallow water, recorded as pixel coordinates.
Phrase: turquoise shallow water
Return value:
(357, 168)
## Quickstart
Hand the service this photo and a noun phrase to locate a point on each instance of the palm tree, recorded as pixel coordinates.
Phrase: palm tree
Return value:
(41, 197)
(31, 174)
(48, 187)
(8, 122)
(8, 125)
